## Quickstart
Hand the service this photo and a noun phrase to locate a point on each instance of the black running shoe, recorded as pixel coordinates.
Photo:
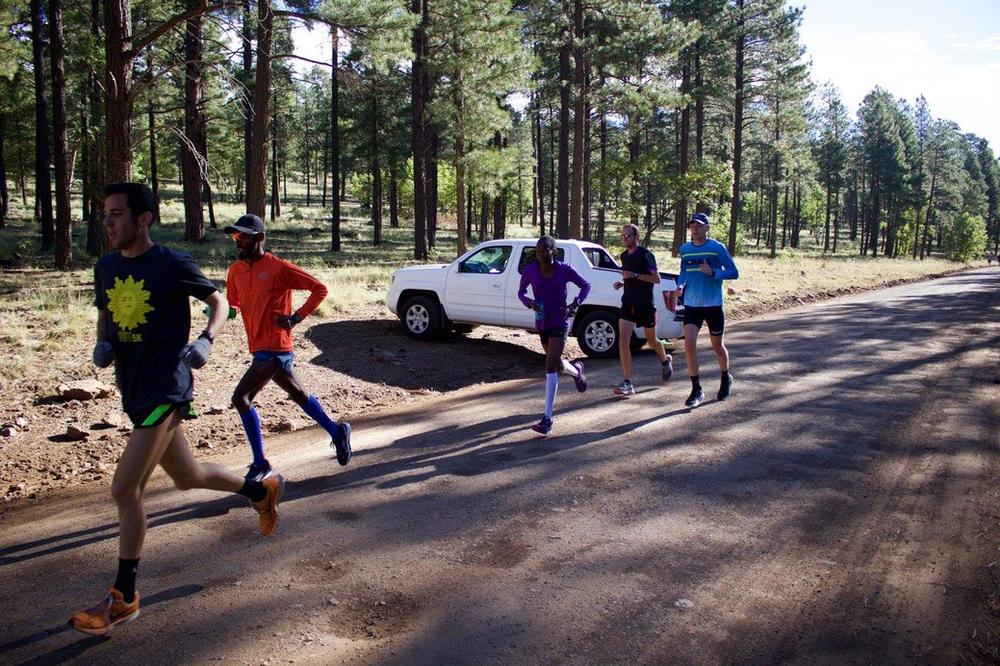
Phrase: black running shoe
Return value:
(259, 472)
(543, 427)
(343, 443)
(697, 395)
(725, 386)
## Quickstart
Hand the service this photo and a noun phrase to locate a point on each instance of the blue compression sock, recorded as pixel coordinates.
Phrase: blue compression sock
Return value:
(251, 424)
(316, 413)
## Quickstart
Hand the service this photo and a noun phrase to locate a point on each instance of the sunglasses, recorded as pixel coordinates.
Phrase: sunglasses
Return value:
(242, 236)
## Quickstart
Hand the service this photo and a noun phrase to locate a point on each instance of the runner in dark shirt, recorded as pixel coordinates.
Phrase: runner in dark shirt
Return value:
(143, 321)
(639, 274)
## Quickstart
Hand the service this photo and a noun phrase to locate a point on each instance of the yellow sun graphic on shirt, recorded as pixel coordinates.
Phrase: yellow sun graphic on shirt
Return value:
(128, 302)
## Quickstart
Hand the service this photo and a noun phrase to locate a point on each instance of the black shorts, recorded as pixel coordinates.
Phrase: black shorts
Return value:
(154, 416)
(548, 333)
(713, 316)
(640, 315)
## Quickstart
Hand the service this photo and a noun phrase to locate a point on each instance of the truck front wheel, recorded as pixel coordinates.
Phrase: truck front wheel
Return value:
(598, 334)
(421, 317)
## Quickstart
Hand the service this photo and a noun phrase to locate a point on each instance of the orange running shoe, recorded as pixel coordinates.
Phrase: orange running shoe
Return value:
(103, 617)
(268, 507)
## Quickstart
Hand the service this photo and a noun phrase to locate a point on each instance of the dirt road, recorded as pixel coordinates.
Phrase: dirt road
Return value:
(838, 509)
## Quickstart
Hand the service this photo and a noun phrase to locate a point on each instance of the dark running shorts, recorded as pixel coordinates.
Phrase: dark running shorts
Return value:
(548, 333)
(640, 315)
(284, 359)
(713, 316)
(150, 418)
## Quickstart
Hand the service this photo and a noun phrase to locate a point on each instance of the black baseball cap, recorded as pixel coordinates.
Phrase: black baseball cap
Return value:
(248, 224)
(699, 218)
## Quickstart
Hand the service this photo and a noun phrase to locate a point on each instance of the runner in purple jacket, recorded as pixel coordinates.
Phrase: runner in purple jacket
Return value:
(548, 279)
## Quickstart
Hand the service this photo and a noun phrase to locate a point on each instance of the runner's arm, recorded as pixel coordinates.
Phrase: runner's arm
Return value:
(294, 277)
(581, 282)
(522, 290)
(232, 291)
(102, 326)
(218, 313)
(681, 279)
(728, 270)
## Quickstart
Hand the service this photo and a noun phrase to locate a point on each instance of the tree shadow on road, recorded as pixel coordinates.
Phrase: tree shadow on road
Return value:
(451, 362)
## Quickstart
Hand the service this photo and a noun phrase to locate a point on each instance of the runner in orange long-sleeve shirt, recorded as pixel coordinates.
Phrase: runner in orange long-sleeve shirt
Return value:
(260, 286)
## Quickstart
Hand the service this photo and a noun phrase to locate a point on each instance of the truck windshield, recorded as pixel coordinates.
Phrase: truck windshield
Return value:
(488, 260)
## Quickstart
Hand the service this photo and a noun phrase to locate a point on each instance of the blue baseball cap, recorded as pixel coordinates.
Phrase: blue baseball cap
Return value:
(699, 218)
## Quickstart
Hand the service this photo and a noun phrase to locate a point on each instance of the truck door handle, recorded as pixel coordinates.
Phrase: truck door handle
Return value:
(496, 286)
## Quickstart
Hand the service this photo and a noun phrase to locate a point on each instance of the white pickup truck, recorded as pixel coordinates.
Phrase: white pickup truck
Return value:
(480, 287)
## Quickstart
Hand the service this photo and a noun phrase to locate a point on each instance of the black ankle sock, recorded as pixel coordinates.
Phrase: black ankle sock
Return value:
(253, 490)
(125, 582)
(695, 382)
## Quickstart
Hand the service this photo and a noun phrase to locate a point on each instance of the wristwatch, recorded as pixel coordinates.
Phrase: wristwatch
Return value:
(208, 336)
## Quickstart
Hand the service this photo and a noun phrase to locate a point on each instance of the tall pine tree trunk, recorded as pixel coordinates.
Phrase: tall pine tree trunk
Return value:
(257, 181)
(540, 178)
(43, 179)
(535, 169)
(97, 239)
(432, 188)
(248, 96)
(418, 138)
(681, 206)
(393, 196)
(579, 125)
(587, 231)
(602, 211)
(64, 176)
(562, 194)
(376, 178)
(4, 192)
(737, 203)
(335, 144)
(118, 89)
(193, 166)
(154, 168)
(326, 166)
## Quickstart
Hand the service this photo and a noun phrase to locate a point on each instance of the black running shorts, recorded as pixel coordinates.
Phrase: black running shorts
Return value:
(713, 316)
(150, 418)
(640, 315)
(547, 333)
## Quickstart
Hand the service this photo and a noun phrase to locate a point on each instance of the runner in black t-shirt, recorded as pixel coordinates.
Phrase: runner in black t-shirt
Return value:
(639, 274)
(142, 295)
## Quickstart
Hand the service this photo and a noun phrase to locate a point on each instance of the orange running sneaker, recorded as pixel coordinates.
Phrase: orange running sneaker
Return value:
(103, 617)
(268, 507)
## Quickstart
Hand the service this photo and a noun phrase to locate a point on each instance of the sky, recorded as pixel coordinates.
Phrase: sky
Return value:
(949, 52)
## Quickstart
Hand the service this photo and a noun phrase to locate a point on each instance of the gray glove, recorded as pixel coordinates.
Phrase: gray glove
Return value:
(104, 354)
(195, 354)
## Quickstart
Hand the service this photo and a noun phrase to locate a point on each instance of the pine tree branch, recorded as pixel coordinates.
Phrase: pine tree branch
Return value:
(141, 42)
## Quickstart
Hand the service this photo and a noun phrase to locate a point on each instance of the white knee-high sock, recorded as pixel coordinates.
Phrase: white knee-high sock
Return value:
(569, 368)
(551, 386)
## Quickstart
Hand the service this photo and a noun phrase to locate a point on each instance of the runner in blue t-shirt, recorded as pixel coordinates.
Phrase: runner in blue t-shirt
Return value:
(705, 263)
(548, 279)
